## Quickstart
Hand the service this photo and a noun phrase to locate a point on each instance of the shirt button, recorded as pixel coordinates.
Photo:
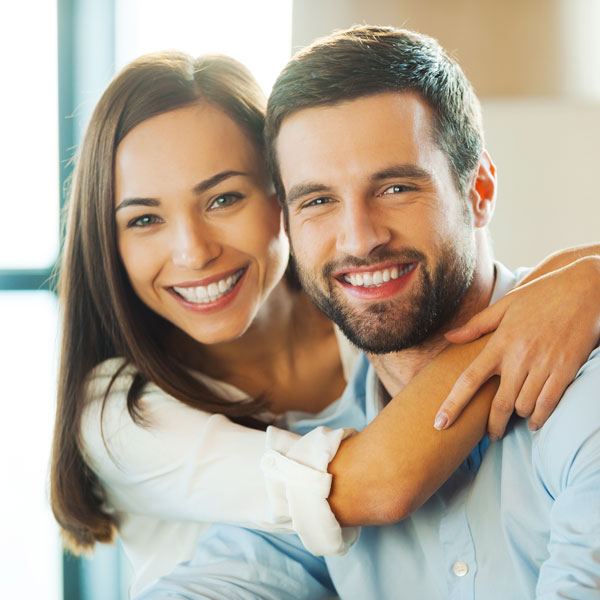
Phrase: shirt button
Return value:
(460, 568)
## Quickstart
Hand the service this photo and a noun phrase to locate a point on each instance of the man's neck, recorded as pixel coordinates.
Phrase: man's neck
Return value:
(395, 370)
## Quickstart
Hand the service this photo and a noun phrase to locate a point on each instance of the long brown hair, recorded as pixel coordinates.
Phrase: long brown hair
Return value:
(101, 315)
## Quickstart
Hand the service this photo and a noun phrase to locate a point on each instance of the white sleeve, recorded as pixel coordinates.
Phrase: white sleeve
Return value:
(186, 464)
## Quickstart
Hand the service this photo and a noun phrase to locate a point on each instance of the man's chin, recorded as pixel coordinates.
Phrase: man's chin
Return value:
(382, 335)
(382, 327)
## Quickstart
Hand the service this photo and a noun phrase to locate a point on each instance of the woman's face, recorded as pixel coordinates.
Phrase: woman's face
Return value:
(198, 226)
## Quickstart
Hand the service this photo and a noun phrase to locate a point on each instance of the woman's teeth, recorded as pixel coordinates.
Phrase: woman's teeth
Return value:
(375, 278)
(202, 294)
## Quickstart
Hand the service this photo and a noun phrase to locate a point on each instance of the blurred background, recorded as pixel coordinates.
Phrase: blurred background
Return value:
(535, 64)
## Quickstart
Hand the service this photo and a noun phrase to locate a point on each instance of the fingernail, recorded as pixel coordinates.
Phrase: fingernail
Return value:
(441, 420)
(533, 426)
(493, 438)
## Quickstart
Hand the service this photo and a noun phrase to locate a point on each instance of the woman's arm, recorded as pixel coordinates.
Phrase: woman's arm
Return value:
(182, 464)
(388, 470)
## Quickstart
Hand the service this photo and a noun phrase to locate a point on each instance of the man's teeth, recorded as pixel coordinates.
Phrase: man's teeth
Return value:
(375, 278)
(202, 294)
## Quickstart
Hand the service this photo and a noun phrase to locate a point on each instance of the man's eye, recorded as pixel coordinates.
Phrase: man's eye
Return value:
(396, 189)
(224, 200)
(144, 221)
(317, 202)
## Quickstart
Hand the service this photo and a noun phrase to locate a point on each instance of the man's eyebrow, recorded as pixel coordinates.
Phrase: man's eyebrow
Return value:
(401, 171)
(137, 202)
(303, 189)
(216, 179)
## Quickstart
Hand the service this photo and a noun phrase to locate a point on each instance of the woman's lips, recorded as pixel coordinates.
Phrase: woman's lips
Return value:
(212, 297)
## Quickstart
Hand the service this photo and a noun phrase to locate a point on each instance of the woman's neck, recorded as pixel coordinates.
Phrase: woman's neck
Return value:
(266, 351)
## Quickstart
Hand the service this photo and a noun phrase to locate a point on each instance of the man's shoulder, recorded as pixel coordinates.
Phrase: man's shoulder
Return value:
(570, 438)
(505, 279)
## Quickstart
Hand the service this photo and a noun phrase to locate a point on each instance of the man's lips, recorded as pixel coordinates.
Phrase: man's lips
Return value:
(374, 277)
(377, 283)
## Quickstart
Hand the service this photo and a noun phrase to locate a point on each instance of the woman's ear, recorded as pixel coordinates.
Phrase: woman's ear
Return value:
(483, 191)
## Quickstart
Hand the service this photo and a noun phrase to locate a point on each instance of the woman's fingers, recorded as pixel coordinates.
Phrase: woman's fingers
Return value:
(547, 401)
(528, 396)
(466, 386)
(535, 325)
(503, 404)
(483, 322)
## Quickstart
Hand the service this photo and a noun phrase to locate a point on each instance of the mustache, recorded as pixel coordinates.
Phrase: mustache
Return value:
(406, 255)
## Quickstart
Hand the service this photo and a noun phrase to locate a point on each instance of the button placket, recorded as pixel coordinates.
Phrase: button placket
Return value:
(455, 537)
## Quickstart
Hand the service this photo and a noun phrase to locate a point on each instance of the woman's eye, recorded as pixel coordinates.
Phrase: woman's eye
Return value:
(144, 221)
(225, 200)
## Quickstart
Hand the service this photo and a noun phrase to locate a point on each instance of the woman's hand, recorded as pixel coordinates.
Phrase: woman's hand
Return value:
(545, 329)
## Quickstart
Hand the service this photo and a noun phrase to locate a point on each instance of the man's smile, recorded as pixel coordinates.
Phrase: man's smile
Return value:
(377, 282)
(377, 277)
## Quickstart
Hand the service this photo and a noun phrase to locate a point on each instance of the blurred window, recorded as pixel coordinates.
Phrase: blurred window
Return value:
(257, 33)
(29, 151)
(30, 553)
(30, 556)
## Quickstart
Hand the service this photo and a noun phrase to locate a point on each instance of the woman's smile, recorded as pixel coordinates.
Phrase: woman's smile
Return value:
(209, 291)
(212, 297)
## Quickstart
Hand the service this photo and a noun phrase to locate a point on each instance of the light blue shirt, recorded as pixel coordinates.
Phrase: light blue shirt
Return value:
(519, 519)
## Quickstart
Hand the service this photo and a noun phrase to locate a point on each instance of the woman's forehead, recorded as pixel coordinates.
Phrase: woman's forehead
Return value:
(186, 144)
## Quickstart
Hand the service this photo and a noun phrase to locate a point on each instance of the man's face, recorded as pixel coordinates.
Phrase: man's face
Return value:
(383, 242)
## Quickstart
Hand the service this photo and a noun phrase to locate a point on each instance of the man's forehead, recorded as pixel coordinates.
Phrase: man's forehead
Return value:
(405, 103)
(350, 134)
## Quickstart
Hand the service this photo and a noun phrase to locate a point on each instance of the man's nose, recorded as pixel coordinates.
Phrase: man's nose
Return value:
(362, 229)
(194, 245)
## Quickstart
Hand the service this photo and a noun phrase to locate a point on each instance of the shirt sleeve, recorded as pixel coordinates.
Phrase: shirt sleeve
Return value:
(232, 563)
(567, 460)
(185, 464)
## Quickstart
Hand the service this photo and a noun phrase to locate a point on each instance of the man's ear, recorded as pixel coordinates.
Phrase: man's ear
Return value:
(483, 191)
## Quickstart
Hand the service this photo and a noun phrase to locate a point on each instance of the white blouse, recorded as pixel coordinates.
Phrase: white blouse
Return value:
(167, 479)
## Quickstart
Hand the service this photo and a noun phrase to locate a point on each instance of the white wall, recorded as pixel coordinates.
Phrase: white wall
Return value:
(548, 158)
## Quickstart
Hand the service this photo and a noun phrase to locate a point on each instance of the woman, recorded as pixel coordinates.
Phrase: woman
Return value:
(180, 330)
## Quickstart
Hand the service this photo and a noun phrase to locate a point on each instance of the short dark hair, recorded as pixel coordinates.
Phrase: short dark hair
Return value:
(367, 60)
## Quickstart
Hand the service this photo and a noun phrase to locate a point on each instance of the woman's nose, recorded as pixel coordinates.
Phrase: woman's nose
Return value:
(194, 246)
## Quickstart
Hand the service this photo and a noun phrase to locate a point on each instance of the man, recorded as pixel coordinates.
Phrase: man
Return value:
(376, 145)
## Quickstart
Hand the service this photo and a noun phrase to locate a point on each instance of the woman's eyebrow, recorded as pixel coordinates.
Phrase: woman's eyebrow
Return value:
(216, 179)
(204, 185)
(137, 202)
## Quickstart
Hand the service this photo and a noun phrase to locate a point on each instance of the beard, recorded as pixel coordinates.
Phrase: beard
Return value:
(398, 323)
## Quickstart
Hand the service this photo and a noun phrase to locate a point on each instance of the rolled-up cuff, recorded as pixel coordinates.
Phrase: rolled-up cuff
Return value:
(298, 485)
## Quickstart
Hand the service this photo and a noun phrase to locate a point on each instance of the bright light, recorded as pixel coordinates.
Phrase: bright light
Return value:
(28, 122)
(257, 33)
(30, 552)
